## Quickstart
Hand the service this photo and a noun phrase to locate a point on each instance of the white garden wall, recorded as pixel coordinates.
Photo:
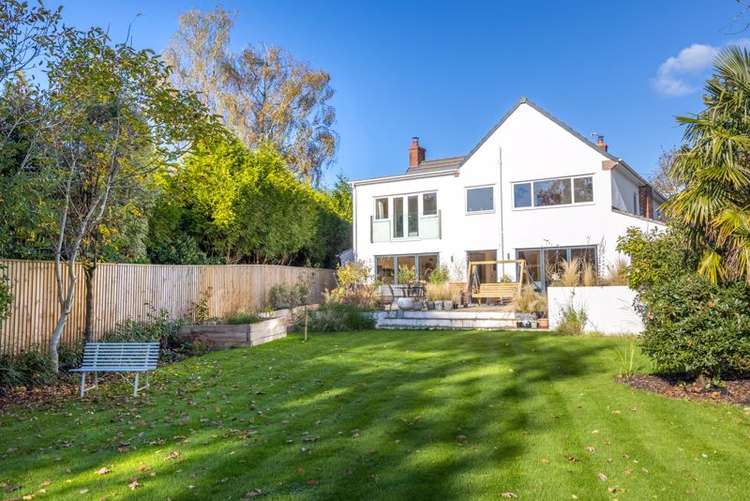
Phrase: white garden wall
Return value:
(610, 309)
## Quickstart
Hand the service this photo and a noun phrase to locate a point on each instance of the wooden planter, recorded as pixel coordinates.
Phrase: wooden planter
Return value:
(232, 336)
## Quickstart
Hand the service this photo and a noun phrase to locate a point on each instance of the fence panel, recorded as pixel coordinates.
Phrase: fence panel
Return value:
(131, 291)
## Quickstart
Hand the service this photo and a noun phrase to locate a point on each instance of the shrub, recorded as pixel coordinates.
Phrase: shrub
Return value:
(529, 301)
(158, 326)
(406, 274)
(242, 318)
(439, 292)
(354, 288)
(695, 327)
(439, 275)
(289, 295)
(616, 272)
(29, 368)
(573, 321)
(654, 257)
(337, 317)
(5, 296)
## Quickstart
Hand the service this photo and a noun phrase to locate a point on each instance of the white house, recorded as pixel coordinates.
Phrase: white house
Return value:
(531, 189)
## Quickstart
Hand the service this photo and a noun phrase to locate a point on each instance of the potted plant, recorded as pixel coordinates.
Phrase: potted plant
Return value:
(407, 276)
(438, 288)
(527, 304)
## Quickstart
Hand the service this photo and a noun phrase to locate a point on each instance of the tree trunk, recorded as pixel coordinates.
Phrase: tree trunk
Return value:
(54, 341)
(89, 271)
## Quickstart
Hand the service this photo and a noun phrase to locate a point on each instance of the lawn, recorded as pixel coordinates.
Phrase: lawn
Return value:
(383, 415)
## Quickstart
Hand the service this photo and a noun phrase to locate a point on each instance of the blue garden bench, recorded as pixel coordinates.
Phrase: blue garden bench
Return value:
(118, 357)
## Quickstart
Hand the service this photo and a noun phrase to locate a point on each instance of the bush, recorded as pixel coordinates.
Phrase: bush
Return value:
(573, 322)
(242, 318)
(354, 288)
(337, 317)
(695, 327)
(29, 368)
(530, 301)
(158, 326)
(289, 295)
(439, 275)
(654, 257)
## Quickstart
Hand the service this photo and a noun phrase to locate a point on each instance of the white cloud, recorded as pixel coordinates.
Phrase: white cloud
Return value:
(682, 74)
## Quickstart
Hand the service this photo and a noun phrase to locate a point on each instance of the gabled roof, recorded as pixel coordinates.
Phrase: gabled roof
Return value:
(575, 133)
(450, 165)
(436, 164)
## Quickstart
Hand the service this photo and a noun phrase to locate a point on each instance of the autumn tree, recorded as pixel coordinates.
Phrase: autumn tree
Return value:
(663, 179)
(264, 95)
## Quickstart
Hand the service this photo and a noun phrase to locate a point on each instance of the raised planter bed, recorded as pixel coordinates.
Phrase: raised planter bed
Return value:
(232, 336)
(273, 326)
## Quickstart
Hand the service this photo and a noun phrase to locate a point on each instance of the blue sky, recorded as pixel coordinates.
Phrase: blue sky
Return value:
(447, 71)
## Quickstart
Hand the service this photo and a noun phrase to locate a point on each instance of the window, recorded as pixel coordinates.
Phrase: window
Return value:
(398, 217)
(413, 207)
(522, 195)
(545, 265)
(429, 204)
(480, 199)
(381, 208)
(583, 189)
(552, 192)
(427, 264)
(384, 269)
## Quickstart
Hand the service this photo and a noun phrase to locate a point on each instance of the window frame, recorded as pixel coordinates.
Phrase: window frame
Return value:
(387, 209)
(572, 203)
(467, 189)
(424, 194)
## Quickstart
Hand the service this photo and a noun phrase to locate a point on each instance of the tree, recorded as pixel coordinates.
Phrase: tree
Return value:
(264, 95)
(663, 180)
(116, 117)
(714, 167)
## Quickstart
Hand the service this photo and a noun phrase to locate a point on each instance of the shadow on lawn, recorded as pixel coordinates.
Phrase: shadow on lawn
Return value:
(402, 415)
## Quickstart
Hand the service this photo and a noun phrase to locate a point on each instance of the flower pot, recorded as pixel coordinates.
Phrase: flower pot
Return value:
(448, 305)
(438, 305)
(406, 303)
(543, 323)
(430, 305)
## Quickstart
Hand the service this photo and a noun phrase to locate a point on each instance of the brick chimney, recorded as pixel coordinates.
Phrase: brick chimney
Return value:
(646, 201)
(416, 152)
(601, 144)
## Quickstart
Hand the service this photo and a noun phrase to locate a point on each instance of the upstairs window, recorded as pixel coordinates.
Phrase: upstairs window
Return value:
(583, 189)
(381, 208)
(551, 192)
(429, 204)
(522, 195)
(480, 199)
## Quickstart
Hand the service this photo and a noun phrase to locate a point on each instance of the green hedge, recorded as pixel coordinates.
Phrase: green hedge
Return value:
(697, 328)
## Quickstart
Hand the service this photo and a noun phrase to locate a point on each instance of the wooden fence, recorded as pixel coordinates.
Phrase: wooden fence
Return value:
(131, 291)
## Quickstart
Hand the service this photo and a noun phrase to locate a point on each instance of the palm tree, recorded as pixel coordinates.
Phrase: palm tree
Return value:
(714, 166)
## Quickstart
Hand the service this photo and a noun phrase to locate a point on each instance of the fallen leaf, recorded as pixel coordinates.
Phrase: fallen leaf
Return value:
(509, 494)
(602, 477)
(253, 493)
(312, 482)
(103, 470)
(83, 491)
(173, 455)
(28, 496)
(134, 484)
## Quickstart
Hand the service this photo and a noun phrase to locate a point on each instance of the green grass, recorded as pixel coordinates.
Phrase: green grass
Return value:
(384, 415)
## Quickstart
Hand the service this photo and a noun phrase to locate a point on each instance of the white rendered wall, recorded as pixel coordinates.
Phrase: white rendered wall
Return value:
(610, 309)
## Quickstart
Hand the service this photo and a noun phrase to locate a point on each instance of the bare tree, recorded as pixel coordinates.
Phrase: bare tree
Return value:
(663, 180)
(264, 95)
